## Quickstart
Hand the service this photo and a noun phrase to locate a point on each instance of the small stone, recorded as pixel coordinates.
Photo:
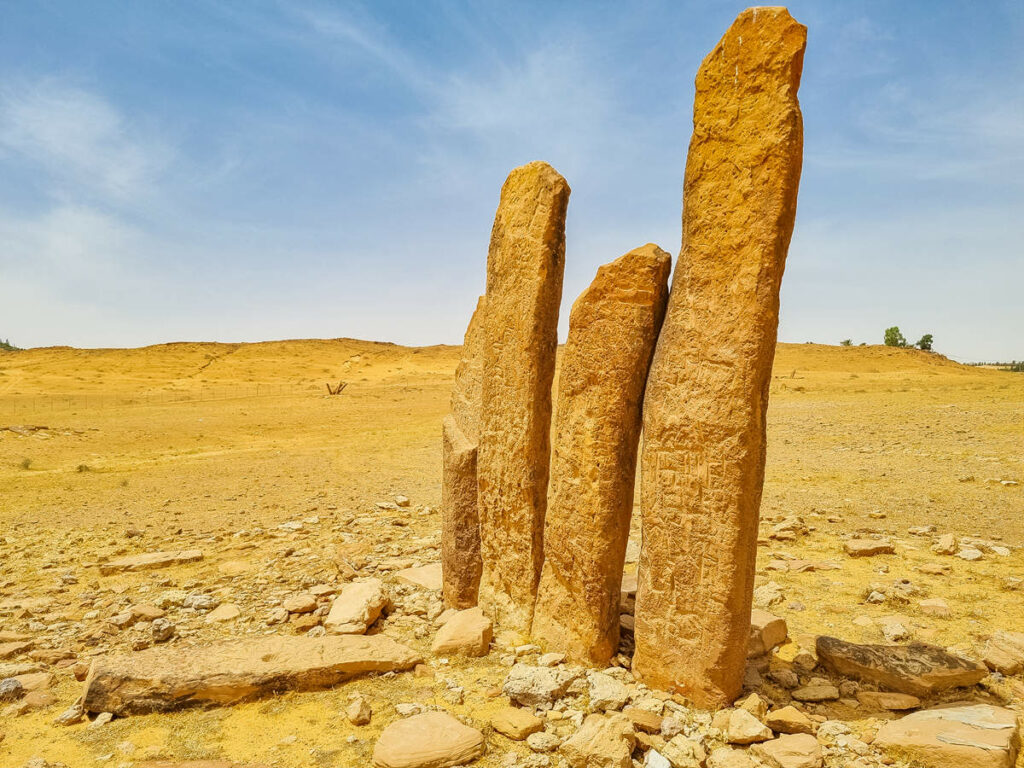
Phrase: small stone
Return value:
(819, 692)
(358, 710)
(537, 686)
(682, 752)
(542, 741)
(428, 740)
(161, 630)
(356, 608)
(766, 632)
(71, 715)
(101, 719)
(604, 741)
(643, 720)
(744, 728)
(402, 501)
(789, 719)
(606, 693)
(792, 751)
(755, 705)
(970, 554)
(946, 545)
(869, 547)
(222, 613)
(466, 632)
(300, 603)
(515, 723)
(551, 660)
(11, 689)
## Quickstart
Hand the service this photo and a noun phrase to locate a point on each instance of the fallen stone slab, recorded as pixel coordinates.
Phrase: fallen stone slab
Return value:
(425, 576)
(962, 735)
(467, 632)
(516, 723)
(429, 740)
(164, 679)
(1005, 652)
(917, 669)
(894, 702)
(16, 648)
(150, 560)
(869, 547)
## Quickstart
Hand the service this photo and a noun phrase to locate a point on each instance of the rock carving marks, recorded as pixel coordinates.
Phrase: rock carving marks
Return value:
(524, 286)
(704, 410)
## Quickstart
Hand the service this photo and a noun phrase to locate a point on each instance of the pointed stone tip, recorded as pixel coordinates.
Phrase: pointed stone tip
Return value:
(653, 251)
(763, 14)
(537, 170)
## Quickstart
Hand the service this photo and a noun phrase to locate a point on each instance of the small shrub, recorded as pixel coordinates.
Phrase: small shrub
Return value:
(84, 468)
(846, 343)
(26, 463)
(925, 343)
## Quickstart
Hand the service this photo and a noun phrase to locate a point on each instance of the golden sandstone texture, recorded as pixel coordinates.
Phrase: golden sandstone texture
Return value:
(704, 413)
(612, 330)
(460, 521)
(524, 287)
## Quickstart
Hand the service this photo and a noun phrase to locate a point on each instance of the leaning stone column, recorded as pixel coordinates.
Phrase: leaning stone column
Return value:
(524, 288)
(612, 330)
(704, 409)
(460, 523)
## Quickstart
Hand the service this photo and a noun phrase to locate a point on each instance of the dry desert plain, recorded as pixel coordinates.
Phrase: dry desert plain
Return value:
(215, 447)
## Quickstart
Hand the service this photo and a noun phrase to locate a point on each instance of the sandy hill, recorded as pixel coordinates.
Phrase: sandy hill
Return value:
(308, 363)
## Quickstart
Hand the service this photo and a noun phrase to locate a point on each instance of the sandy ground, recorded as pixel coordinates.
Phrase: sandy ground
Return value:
(214, 446)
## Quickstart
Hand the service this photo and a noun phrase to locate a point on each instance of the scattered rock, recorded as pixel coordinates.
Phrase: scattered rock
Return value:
(946, 545)
(1004, 652)
(917, 669)
(300, 603)
(682, 752)
(542, 741)
(425, 576)
(537, 686)
(358, 710)
(724, 757)
(604, 741)
(150, 560)
(606, 693)
(816, 692)
(162, 630)
(516, 723)
(789, 720)
(964, 736)
(869, 547)
(222, 613)
(163, 678)
(792, 751)
(11, 689)
(744, 728)
(766, 632)
(428, 740)
(356, 608)
(466, 632)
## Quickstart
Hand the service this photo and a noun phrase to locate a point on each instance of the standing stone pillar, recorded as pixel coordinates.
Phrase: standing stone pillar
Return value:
(524, 289)
(460, 522)
(612, 330)
(704, 409)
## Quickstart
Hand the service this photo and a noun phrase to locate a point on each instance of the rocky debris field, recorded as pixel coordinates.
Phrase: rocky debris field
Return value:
(132, 651)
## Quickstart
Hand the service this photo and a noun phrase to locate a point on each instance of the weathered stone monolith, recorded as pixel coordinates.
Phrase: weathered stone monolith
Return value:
(524, 287)
(460, 522)
(612, 330)
(704, 409)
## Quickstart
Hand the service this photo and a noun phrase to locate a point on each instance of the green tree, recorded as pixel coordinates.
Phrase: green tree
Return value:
(925, 343)
(893, 337)
(846, 343)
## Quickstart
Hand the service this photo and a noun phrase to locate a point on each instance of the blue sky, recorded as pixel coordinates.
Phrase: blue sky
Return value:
(240, 171)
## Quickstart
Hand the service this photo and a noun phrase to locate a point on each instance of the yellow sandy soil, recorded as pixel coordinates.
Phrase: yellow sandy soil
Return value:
(192, 443)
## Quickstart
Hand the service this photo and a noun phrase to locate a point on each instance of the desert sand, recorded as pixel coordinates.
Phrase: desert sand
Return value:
(214, 447)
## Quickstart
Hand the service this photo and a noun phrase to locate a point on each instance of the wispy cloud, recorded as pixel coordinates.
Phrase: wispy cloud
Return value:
(79, 141)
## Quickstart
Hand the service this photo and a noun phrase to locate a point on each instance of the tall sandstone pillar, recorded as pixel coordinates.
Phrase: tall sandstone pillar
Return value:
(612, 330)
(704, 409)
(460, 522)
(524, 287)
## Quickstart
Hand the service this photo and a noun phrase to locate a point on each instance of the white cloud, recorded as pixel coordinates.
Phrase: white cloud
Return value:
(83, 144)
